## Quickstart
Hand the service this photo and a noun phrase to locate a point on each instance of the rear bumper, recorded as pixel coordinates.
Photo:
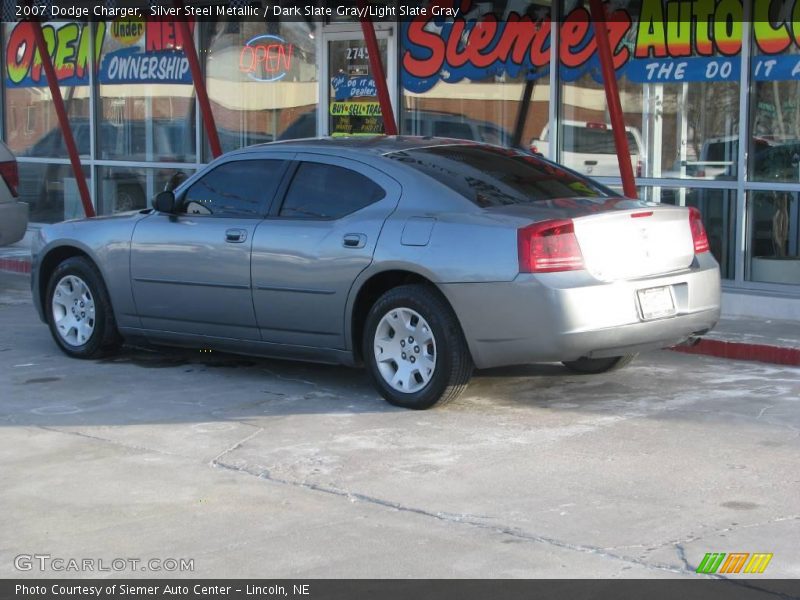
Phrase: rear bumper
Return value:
(564, 316)
(13, 222)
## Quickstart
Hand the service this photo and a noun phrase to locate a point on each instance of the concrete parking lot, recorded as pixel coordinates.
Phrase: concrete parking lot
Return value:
(265, 468)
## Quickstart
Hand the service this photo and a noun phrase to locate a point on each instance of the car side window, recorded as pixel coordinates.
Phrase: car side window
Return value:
(322, 191)
(234, 189)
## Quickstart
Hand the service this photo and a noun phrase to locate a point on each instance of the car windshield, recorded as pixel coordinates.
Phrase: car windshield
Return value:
(490, 176)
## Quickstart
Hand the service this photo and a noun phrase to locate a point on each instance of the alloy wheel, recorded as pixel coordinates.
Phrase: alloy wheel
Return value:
(73, 310)
(405, 350)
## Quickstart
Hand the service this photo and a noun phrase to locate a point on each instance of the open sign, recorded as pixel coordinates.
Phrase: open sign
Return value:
(266, 58)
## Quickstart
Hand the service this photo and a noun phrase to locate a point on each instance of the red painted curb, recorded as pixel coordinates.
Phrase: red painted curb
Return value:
(15, 265)
(741, 351)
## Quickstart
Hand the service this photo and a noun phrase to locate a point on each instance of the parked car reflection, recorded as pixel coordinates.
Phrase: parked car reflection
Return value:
(419, 123)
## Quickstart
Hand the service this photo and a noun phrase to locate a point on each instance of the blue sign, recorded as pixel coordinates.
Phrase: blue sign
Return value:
(345, 87)
(131, 65)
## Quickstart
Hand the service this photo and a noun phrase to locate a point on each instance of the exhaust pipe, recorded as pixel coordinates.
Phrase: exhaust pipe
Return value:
(694, 339)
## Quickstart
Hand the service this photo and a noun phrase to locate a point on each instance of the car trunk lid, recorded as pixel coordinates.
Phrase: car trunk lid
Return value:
(635, 243)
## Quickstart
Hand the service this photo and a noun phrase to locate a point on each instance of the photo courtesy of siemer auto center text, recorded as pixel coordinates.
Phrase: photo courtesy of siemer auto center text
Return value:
(430, 299)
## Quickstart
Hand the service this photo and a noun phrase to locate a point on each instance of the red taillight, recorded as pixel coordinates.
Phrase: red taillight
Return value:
(8, 170)
(699, 236)
(549, 246)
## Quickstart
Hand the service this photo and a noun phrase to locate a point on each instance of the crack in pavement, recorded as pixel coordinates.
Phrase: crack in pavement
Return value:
(450, 518)
(108, 441)
(514, 532)
(682, 556)
(140, 448)
(237, 445)
(711, 532)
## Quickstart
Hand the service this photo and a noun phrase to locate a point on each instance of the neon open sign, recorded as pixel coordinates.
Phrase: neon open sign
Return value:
(266, 58)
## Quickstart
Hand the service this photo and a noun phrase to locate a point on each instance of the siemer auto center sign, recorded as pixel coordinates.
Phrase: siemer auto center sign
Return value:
(672, 42)
(666, 42)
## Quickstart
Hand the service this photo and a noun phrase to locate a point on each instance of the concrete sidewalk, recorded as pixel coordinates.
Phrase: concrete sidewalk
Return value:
(739, 338)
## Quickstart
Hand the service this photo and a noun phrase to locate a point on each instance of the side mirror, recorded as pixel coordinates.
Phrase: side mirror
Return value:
(165, 202)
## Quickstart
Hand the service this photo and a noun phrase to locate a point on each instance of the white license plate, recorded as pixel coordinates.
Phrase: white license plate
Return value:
(656, 302)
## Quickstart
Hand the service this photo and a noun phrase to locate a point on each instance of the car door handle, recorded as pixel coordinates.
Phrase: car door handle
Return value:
(354, 240)
(590, 162)
(235, 236)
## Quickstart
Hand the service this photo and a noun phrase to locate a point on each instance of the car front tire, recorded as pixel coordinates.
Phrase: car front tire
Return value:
(79, 311)
(594, 366)
(414, 348)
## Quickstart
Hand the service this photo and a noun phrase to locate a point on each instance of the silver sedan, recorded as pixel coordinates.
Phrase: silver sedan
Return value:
(420, 258)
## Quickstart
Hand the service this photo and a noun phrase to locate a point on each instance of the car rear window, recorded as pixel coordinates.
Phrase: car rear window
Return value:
(489, 176)
(594, 140)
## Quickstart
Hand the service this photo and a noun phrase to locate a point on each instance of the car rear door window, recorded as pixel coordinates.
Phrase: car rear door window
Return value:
(235, 189)
(323, 191)
(490, 176)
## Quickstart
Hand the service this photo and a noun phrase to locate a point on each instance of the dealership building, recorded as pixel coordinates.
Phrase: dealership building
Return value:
(709, 90)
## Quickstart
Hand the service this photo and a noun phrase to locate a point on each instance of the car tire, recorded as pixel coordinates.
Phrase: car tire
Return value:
(593, 366)
(416, 373)
(79, 310)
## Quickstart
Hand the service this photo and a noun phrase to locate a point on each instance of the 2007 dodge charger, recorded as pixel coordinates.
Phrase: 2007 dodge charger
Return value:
(419, 257)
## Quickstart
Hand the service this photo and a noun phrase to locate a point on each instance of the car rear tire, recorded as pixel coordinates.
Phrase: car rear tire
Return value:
(593, 366)
(79, 311)
(414, 348)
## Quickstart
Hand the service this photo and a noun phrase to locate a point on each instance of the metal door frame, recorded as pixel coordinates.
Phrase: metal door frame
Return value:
(333, 32)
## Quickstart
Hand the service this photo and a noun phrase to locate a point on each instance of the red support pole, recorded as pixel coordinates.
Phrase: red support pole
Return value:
(612, 97)
(378, 73)
(199, 85)
(63, 119)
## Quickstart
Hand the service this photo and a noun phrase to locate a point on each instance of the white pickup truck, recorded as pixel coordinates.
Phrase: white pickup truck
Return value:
(589, 148)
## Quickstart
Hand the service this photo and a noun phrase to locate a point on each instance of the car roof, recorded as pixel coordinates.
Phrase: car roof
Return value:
(373, 145)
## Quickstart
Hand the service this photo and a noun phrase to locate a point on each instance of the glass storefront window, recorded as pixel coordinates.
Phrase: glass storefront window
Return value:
(774, 237)
(146, 108)
(51, 191)
(478, 94)
(129, 188)
(773, 223)
(774, 151)
(679, 93)
(31, 124)
(262, 81)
